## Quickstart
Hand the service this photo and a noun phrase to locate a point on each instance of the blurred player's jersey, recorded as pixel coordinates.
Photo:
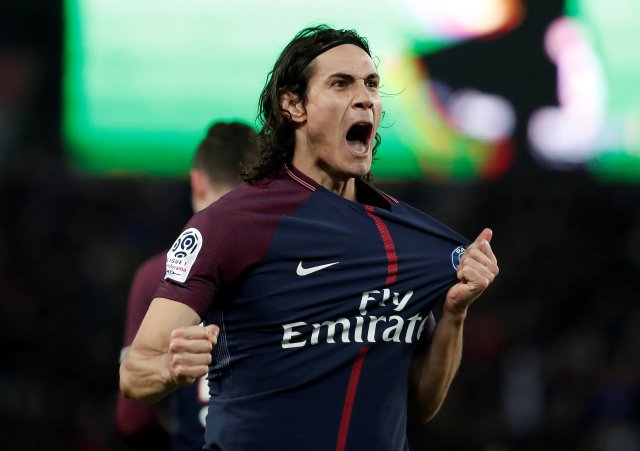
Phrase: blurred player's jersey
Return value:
(188, 405)
(320, 303)
(189, 408)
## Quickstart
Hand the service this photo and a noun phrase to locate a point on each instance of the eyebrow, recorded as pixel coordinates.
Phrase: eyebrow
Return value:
(371, 76)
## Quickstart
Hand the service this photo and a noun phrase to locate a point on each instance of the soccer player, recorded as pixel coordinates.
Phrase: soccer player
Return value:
(215, 171)
(316, 288)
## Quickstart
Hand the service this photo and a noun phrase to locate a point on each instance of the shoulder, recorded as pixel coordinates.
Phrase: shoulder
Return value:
(251, 203)
(236, 230)
(279, 193)
(148, 275)
(152, 266)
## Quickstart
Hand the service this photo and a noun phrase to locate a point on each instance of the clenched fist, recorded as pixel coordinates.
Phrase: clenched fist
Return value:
(189, 353)
(477, 270)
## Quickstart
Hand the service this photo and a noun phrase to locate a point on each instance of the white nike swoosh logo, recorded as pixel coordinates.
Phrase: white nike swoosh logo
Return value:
(306, 271)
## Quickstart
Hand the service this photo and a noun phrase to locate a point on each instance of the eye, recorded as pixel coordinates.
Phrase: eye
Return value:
(338, 83)
(372, 84)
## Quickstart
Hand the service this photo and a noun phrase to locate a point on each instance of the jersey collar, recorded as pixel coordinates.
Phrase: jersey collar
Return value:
(299, 177)
(366, 193)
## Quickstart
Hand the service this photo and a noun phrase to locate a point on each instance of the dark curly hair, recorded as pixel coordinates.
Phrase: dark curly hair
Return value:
(291, 73)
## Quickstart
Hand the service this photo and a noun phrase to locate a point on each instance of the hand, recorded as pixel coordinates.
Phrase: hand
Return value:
(478, 268)
(189, 353)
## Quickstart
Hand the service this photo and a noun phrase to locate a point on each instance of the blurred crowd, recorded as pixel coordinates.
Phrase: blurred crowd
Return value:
(551, 352)
(551, 357)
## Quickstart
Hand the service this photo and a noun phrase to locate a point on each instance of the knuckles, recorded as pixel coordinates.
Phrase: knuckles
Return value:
(177, 345)
(182, 360)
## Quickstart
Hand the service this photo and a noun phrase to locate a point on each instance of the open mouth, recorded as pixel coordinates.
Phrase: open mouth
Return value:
(359, 137)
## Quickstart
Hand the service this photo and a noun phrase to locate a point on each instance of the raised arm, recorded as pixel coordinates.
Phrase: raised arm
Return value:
(435, 362)
(170, 350)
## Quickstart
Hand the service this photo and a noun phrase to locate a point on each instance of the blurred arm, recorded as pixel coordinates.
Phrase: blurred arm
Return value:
(138, 425)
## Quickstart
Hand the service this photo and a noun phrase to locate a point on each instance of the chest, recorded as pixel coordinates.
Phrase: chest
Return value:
(329, 263)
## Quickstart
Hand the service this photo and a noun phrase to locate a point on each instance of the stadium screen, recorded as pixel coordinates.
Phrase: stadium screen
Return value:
(143, 79)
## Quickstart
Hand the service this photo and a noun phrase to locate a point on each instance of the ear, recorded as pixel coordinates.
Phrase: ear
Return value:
(198, 184)
(292, 107)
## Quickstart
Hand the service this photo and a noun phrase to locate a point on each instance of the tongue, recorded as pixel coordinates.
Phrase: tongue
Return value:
(357, 147)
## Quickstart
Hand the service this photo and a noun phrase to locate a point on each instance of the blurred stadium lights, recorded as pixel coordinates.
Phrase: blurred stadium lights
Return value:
(597, 122)
(571, 133)
(457, 19)
(482, 116)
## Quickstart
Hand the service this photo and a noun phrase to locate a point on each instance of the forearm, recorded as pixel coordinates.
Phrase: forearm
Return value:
(144, 376)
(434, 368)
(169, 351)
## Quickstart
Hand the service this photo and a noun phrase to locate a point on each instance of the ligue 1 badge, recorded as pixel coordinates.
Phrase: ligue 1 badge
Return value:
(182, 254)
(186, 243)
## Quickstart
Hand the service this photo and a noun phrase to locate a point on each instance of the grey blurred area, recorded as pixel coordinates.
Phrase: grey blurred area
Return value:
(552, 351)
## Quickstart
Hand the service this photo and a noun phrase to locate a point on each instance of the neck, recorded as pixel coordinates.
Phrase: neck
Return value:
(340, 184)
(209, 196)
(345, 189)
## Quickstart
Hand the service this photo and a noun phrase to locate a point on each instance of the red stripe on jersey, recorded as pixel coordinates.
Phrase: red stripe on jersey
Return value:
(389, 247)
(349, 400)
(298, 179)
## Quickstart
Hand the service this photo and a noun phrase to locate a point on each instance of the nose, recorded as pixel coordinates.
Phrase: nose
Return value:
(362, 98)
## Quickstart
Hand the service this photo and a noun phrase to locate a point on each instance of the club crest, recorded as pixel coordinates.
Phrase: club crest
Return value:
(456, 255)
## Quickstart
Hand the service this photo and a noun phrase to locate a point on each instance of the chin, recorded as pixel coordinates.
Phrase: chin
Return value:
(360, 169)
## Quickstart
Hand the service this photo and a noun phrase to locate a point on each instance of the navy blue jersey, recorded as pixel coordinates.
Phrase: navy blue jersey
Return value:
(320, 303)
(189, 407)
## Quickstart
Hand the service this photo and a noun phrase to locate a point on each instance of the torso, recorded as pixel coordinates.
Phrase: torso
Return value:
(320, 321)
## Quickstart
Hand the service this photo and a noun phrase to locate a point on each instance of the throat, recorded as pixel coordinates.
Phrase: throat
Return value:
(342, 187)
(347, 190)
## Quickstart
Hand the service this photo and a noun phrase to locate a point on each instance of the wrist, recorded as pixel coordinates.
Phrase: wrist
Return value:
(457, 315)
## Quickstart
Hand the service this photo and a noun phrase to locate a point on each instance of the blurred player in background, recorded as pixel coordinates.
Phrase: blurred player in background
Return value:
(214, 172)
